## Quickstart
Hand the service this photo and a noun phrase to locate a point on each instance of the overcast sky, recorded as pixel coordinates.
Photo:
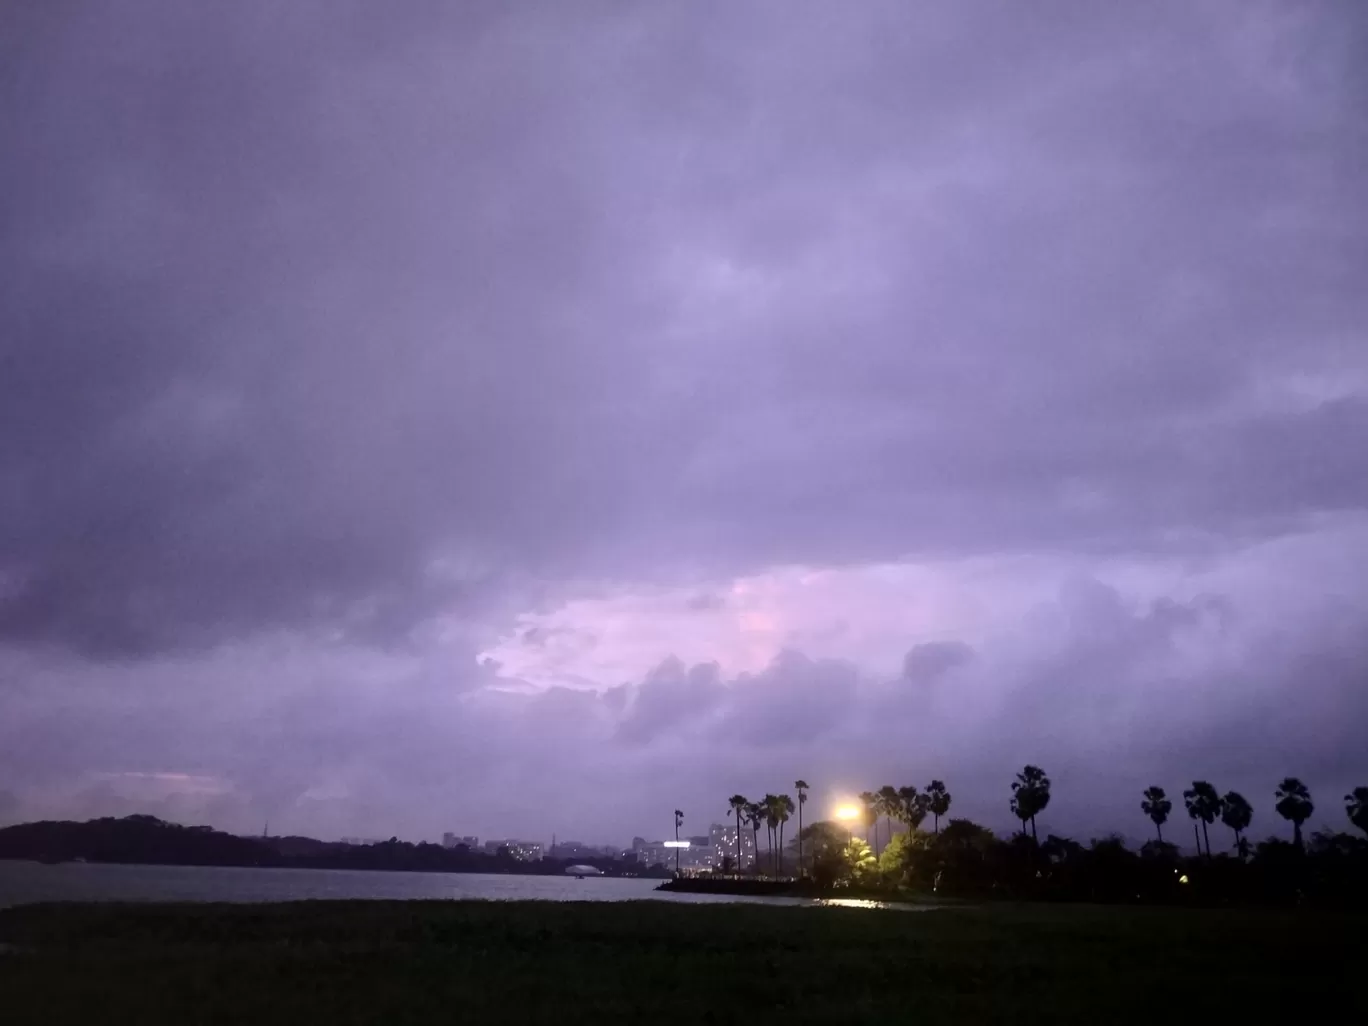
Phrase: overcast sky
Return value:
(530, 418)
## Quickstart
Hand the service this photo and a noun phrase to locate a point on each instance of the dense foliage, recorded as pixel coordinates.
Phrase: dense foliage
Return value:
(963, 859)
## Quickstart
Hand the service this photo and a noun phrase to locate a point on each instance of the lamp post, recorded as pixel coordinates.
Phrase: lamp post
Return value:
(679, 819)
(848, 814)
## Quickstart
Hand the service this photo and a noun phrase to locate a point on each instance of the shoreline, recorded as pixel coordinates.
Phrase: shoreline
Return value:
(792, 888)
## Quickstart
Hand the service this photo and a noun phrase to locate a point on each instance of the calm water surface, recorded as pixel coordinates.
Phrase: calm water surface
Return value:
(23, 882)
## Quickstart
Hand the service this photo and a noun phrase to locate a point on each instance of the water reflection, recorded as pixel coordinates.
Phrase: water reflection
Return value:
(852, 903)
(24, 882)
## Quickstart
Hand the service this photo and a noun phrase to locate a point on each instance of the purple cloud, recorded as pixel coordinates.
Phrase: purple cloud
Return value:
(446, 417)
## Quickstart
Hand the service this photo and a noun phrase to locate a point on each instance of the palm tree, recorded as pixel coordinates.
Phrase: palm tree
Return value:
(1236, 813)
(870, 801)
(738, 804)
(1203, 803)
(679, 820)
(755, 815)
(889, 805)
(785, 811)
(1157, 807)
(801, 786)
(1356, 808)
(771, 806)
(1030, 795)
(937, 801)
(1294, 804)
(912, 807)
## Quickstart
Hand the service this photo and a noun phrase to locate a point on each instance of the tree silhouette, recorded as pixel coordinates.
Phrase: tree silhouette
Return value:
(1356, 808)
(739, 804)
(755, 815)
(1236, 813)
(937, 801)
(1030, 796)
(912, 807)
(801, 786)
(890, 805)
(1203, 803)
(870, 802)
(1294, 804)
(772, 810)
(826, 842)
(785, 810)
(679, 820)
(1157, 807)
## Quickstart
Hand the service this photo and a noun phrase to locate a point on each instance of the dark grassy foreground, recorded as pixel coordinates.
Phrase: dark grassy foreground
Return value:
(402, 962)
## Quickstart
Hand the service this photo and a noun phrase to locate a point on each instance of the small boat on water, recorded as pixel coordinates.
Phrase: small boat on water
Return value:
(580, 872)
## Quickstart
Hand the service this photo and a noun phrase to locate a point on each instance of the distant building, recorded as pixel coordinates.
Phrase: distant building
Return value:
(698, 857)
(580, 850)
(453, 840)
(523, 851)
(722, 840)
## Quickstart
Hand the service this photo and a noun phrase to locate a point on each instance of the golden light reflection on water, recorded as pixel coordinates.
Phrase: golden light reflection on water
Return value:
(852, 903)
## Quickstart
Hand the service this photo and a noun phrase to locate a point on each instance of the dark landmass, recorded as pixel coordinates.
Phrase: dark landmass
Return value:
(150, 841)
(753, 887)
(517, 962)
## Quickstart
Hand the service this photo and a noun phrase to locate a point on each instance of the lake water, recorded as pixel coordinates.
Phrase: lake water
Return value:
(25, 882)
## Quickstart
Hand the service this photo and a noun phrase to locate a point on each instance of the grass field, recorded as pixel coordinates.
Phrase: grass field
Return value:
(411, 962)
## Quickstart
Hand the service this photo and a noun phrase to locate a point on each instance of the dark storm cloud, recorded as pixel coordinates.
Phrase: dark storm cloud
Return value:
(332, 315)
(333, 339)
(927, 663)
(794, 700)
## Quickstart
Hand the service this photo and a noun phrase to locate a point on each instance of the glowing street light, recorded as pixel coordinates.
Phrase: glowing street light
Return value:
(848, 814)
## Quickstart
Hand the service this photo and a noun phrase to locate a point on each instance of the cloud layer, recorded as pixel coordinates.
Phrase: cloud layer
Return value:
(451, 415)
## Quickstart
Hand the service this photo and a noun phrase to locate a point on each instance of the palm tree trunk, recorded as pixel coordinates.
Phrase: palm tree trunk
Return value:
(738, 842)
(1206, 838)
(1033, 831)
(1296, 833)
(935, 818)
(1159, 827)
(781, 846)
(800, 836)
